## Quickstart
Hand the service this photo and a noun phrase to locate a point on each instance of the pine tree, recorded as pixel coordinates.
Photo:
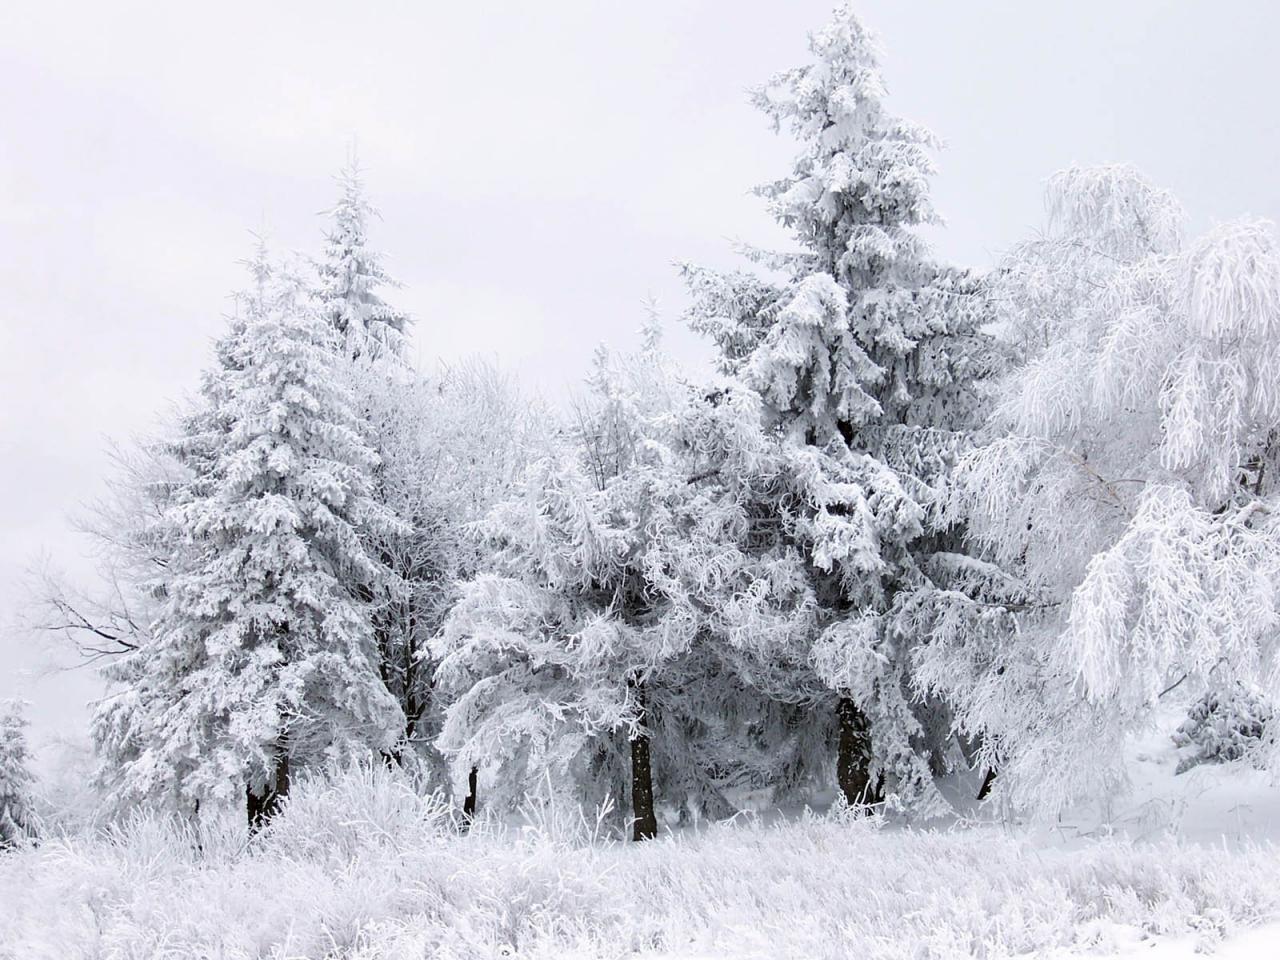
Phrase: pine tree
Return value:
(262, 659)
(143, 531)
(448, 444)
(869, 358)
(17, 817)
(352, 276)
(391, 401)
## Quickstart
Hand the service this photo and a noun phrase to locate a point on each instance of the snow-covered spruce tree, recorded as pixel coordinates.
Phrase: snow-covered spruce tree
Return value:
(140, 529)
(449, 445)
(869, 358)
(1128, 483)
(369, 341)
(262, 658)
(584, 656)
(352, 276)
(17, 816)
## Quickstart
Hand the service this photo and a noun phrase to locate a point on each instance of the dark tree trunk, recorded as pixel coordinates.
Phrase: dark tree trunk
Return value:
(469, 804)
(262, 806)
(853, 760)
(646, 822)
(987, 783)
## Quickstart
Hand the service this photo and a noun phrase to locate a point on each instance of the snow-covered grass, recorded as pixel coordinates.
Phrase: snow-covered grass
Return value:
(360, 866)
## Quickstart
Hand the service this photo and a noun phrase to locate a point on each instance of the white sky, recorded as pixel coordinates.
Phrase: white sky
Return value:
(539, 165)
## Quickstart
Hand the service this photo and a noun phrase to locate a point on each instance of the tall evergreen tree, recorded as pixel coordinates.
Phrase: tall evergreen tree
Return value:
(449, 445)
(868, 352)
(352, 275)
(262, 658)
(17, 817)
(390, 402)
(145, 541)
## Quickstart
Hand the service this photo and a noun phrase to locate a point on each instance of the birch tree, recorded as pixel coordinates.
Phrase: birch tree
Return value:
(1126, 484)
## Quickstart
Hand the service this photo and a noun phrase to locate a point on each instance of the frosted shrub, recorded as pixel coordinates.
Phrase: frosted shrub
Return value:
(333, 815)
(1225, 725)
(548, 818)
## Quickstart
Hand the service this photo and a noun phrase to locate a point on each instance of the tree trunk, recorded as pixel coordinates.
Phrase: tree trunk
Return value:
(469, 804)
(853, 760)
(987, 781)
(646, 822)
(262, 806)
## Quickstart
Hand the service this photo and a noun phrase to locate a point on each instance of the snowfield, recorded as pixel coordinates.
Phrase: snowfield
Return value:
(359, 866)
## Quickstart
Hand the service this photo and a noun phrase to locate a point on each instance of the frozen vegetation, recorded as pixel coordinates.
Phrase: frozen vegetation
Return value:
(983, 566)
(362, 866)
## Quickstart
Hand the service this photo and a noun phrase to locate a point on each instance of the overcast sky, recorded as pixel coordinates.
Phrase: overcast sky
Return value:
(539, 166)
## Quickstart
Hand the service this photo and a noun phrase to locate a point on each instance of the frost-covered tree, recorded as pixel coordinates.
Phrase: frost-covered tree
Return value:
(1127, 486)
(353, 276)
(17, 816)
(391, 403)
(450, 445)
(548, 656)
(869, 358)
(262, 657)
(588, 654)
(137, 528)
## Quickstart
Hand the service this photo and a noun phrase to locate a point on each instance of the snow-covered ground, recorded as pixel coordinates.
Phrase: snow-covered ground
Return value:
(361, 867)
(1258, 943)
(1234, 804)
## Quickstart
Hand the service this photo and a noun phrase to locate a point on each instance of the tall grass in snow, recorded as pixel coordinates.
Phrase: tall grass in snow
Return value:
(359, 865)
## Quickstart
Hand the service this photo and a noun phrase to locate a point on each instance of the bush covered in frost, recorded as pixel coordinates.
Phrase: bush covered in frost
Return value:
(1226, 724)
